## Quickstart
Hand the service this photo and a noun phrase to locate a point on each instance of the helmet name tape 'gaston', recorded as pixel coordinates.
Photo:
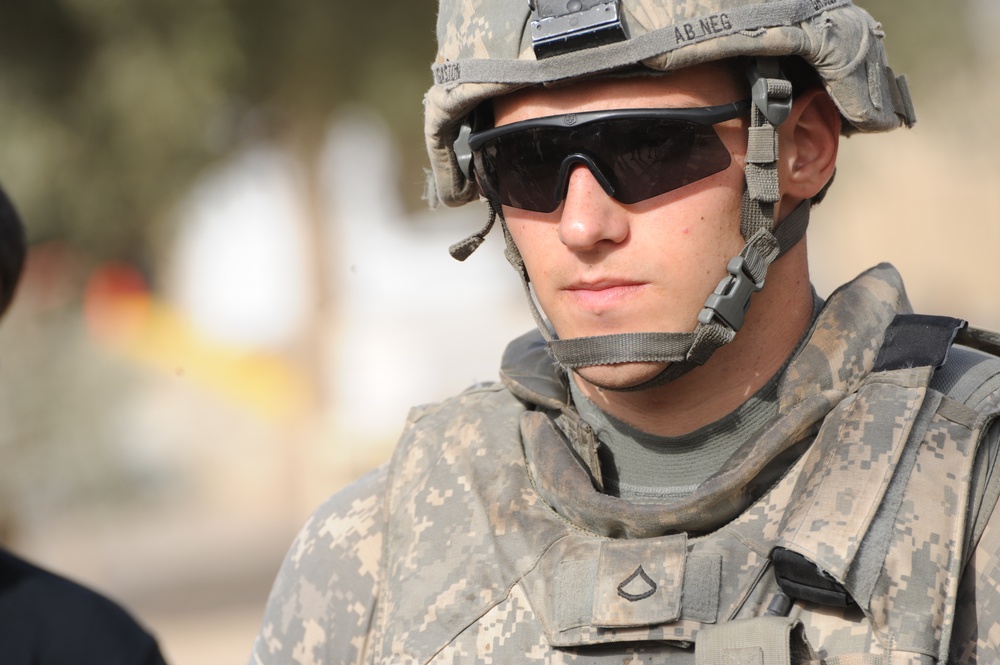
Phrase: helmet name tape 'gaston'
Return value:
(489, 48)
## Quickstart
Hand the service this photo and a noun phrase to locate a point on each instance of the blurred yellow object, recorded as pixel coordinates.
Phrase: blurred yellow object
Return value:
(123, 315)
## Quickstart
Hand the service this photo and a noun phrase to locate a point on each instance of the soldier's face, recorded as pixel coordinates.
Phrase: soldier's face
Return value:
(599, 266)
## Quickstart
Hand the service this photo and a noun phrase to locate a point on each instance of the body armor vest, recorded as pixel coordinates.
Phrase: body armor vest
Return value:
(854, 500)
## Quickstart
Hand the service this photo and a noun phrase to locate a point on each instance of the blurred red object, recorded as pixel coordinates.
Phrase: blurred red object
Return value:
(116, 303)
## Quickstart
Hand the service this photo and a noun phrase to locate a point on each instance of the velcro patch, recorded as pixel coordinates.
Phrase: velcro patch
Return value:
(640, 582)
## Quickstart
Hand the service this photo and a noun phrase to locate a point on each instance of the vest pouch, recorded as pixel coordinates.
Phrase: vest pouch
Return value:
(802, 579)
(766, 640)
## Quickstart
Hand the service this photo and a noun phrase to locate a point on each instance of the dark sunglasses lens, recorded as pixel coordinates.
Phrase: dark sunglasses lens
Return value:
(521, 169)
(640, 157)
(653, 158)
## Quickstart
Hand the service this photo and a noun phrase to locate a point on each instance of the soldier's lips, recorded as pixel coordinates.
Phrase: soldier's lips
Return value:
(604, 294)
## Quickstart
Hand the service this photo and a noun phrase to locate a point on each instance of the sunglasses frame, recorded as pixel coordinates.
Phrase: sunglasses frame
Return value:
(704, 116)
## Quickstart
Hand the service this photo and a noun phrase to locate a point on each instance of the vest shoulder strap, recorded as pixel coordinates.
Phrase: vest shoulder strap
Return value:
(981, 339)
(871, 454)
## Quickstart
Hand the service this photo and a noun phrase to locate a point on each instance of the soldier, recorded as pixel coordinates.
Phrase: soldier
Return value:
(664, 473)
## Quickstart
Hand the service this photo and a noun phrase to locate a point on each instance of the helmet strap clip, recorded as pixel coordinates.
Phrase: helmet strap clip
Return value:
(770, 90)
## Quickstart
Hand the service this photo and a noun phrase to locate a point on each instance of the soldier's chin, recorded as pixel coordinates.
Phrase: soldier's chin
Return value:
(621, 376)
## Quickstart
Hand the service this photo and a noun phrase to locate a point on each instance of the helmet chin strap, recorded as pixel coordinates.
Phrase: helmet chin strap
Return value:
(718, 321)
(725, 308)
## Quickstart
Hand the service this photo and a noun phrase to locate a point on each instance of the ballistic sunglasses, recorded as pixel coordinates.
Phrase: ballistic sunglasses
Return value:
(635, 154)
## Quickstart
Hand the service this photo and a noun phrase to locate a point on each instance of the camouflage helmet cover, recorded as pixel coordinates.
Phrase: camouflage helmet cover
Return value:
(485, 50)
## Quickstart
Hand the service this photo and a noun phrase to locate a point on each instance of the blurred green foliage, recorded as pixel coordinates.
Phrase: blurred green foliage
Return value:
(110, 109)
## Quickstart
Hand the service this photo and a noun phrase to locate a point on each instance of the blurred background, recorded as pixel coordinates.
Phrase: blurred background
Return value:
(235, 293)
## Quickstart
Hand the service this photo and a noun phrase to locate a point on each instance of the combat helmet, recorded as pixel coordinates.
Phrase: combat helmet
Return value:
(487, 48)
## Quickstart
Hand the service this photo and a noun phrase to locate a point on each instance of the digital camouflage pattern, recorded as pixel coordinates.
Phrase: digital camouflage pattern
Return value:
(485, 50)
(487, 539)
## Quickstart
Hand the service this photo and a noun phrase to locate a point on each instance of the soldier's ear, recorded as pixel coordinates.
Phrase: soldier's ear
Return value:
(808, 145)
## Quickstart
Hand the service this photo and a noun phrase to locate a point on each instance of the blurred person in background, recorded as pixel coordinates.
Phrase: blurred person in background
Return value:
(685, 462)
(46, 619)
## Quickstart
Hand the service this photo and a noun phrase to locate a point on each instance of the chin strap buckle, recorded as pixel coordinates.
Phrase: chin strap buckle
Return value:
(731, 298)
